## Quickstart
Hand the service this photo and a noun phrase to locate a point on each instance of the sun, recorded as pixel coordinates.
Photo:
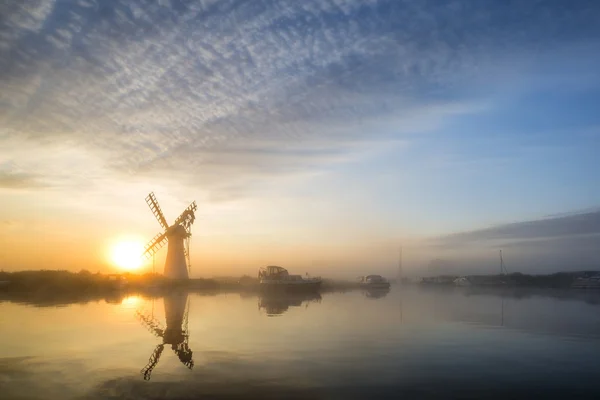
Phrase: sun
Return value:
(126, 254)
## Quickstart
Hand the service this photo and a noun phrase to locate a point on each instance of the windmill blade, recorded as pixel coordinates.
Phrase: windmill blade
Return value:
(151, 324)
(155, 208)
(152, 361)
(184, 325)
(154, 245)
(187, 217)
(185, 354)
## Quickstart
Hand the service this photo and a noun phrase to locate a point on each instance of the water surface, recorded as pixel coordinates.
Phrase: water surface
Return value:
(410, 341)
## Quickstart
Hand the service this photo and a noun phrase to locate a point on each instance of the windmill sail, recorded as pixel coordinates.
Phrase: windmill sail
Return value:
(152, 361)
(155, 208)
(154, 245)
(187, 217)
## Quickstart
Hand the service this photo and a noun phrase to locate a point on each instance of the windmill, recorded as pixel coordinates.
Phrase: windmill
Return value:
(175, 334)
(177, 236)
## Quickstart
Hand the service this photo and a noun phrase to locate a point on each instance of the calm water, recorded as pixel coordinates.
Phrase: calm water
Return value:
(411, 342)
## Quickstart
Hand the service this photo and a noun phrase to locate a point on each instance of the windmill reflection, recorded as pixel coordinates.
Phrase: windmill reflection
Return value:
(175, 334)
(277, 303)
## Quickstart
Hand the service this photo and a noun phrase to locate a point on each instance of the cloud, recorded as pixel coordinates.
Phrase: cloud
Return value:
(580, 224)
(10, 180)
(562, 243)
(231, 88)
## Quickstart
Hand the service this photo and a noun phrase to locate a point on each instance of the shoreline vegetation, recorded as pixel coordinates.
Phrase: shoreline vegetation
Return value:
(58, 287)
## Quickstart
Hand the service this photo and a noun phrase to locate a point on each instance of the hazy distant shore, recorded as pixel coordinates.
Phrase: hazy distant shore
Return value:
(55, 288)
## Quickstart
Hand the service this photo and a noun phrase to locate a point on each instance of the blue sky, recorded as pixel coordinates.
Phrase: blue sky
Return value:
(307, 127)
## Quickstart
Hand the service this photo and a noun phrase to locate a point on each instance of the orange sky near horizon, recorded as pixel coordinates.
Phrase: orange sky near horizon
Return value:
(231, 241)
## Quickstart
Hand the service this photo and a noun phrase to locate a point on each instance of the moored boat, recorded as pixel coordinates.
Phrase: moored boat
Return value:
(587, 282)
(275, 277)
(373, 282)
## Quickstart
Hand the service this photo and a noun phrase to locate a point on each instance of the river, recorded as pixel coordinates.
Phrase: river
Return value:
(410, 341)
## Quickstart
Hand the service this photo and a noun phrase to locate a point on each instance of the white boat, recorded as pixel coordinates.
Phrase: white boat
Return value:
(274, 277)
(462, 281)
(373, 282)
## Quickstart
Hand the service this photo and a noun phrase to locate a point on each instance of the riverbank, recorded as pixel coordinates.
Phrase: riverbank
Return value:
(51, 288)
(559, 280)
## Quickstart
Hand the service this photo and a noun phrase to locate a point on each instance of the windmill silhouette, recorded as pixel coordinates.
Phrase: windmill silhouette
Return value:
(175, 334)
(178, 253)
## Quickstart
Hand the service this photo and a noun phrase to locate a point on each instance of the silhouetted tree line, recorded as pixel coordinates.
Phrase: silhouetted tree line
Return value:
(52, 280)
(557, 280)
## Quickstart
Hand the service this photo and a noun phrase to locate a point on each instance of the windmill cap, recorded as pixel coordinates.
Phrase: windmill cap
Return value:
(176, 230)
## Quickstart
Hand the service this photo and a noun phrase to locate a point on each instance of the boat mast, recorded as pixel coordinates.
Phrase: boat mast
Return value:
(503, 270)
(400, 265)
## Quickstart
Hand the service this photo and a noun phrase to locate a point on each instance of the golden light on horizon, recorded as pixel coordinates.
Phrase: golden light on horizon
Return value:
(126, 254)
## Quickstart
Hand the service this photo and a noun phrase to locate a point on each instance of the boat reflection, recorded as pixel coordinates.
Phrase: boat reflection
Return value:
(376, 293)
(277, 303)
(175, 334)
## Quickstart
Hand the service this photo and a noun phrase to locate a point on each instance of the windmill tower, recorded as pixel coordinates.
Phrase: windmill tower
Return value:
(175, 334)
(177, 236)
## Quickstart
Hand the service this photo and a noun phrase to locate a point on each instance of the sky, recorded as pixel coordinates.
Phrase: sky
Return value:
(315, 135)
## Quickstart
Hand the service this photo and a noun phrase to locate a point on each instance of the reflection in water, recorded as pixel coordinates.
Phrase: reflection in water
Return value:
(432, 343)
(176, 333)
(502, 313)
(376, 293)
(276, 303)
(130, 301)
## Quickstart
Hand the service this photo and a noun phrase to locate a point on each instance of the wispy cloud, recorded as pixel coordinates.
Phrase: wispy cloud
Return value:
(229, 86)
(567, 242)
(10, 180)
(575, 224)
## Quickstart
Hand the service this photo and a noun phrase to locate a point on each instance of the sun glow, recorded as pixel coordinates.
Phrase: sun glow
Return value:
(126, 254)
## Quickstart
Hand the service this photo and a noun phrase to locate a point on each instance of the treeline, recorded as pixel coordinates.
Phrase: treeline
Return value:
(557, 280)
(52, 280)
(551, 281)
(82, 281)
(51, 287)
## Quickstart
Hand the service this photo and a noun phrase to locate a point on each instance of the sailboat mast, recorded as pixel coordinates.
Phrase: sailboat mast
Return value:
(400, 265)
(502, 267)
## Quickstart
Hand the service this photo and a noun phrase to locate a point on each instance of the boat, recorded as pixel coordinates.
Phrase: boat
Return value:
(373, 282)
(587, 282)
(462, 281)
(275, 277)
